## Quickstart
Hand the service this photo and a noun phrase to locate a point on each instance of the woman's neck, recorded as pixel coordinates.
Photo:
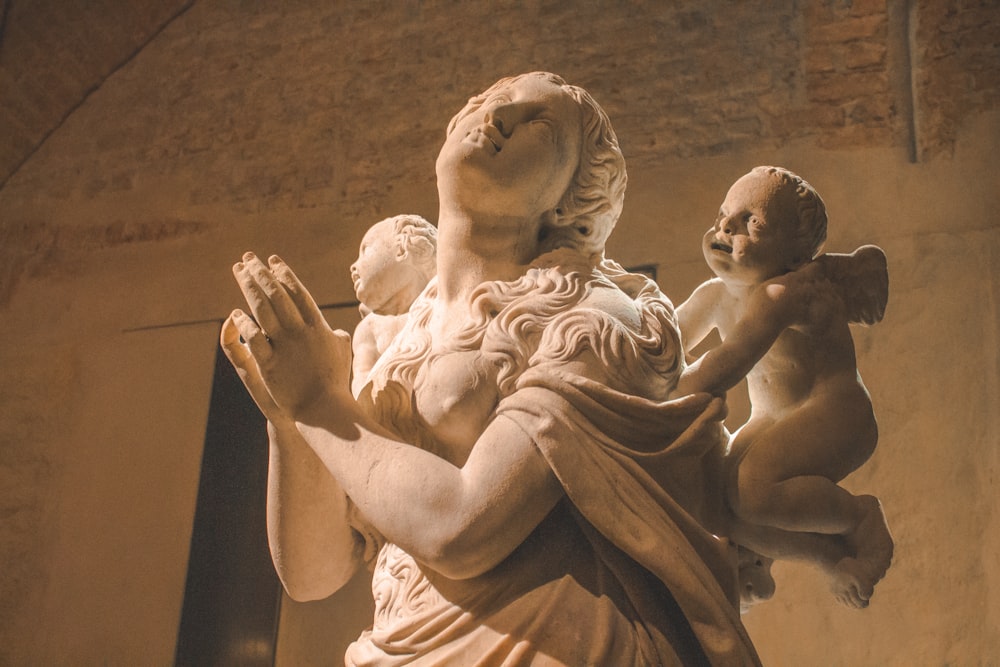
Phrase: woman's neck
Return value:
(474, 251)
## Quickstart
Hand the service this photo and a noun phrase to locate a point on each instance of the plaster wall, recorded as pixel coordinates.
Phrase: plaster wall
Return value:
(291, 129)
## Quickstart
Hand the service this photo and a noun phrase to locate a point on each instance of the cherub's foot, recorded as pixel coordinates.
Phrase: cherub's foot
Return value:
(854, 578)
(851, 584)
(756, 582)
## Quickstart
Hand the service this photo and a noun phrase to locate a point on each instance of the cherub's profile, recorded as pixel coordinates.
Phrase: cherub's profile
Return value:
(395, 262)
(811, 420)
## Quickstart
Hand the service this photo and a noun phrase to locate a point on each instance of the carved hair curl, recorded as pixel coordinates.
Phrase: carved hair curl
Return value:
(417, 239)
(590, 207)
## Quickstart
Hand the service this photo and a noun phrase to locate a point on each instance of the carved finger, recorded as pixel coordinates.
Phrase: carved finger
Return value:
(235, 351)
(303, 300)
(246, 367)
(282, 305)
(257, 299)
(257, 342)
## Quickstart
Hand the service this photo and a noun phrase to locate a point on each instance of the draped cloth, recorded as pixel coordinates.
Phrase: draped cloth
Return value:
(621, 572)
(634, 469)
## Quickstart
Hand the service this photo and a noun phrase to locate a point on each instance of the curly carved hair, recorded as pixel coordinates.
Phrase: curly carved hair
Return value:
(811, 228)
(415, 239)
(589, 209)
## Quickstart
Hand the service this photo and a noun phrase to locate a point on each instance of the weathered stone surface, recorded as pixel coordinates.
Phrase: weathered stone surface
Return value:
(57, 53)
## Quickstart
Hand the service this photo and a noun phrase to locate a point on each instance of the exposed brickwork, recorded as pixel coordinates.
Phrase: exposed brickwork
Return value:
(847, 63)
(957, 67)
(687, 79)
(244, 87)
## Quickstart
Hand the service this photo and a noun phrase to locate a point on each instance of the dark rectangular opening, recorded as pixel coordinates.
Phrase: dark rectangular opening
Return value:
(232, 597)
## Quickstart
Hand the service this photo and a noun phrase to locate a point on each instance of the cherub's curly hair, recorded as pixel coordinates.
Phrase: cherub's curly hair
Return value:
(417, 239)
(811, 228)
(589, 209)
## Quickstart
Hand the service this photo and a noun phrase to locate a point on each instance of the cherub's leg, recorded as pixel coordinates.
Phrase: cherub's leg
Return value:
(785, 478)
(755, 580)
(824, 551)
(855, 577)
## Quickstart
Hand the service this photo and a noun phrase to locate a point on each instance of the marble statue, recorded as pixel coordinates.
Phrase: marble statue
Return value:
(530, 468)
(811, 419)
(396, 260)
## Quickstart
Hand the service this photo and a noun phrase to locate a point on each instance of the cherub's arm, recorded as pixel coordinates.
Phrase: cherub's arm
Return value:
(697, 315)
(365, 349)
(772, 308)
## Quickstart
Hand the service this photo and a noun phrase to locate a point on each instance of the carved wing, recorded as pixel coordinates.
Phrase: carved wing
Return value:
(863, 279)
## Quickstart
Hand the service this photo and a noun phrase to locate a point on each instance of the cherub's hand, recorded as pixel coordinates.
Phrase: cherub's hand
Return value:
(298, 358)
(803, 297)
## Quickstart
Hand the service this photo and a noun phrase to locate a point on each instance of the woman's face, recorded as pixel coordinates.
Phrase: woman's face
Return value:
(517, 153)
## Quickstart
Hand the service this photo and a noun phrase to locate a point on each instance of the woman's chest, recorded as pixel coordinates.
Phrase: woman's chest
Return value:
(455, 394)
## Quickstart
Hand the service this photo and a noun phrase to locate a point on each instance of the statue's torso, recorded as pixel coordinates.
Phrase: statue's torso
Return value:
(454, 397)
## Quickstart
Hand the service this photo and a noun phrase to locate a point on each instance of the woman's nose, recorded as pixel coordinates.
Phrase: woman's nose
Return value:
(503, 117)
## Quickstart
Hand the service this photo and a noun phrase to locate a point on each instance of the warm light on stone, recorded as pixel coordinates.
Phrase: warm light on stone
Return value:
(144, 148)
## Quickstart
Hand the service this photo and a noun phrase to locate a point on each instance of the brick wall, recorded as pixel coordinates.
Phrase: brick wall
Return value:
(957, 68)
(695, 78)
(275, 105)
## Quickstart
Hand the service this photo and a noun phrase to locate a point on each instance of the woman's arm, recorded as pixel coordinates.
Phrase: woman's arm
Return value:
(314, 549)
(461, 521)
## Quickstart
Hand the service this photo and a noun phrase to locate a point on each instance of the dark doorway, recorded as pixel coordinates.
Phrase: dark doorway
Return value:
(232, 597)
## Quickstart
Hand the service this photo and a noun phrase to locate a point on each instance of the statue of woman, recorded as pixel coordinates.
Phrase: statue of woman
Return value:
(520, 469)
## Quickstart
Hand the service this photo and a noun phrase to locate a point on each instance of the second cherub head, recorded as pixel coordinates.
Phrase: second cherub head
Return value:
(771, 222)
(396, 260)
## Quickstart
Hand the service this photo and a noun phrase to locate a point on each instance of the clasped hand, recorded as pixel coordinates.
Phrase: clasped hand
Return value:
(286, 354)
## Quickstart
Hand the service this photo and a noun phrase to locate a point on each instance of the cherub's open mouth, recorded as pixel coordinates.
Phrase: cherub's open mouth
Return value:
(723, 247)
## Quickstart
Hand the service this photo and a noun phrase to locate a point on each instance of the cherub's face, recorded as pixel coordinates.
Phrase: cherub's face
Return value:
(380, 272)
(753, 238)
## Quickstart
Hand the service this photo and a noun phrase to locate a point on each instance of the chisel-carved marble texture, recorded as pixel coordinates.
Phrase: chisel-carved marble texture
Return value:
(531, 468)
